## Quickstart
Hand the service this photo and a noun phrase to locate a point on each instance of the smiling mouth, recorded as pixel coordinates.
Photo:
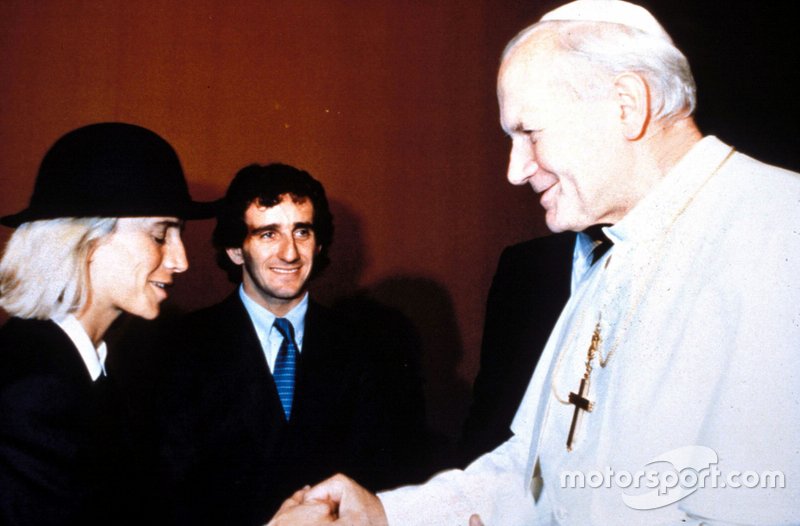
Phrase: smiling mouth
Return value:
(161, 285)
(285, 270)
(547, 188)
(544, 194)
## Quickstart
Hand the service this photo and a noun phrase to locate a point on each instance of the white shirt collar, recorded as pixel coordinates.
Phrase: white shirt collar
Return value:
(581, 259)
(263, 318)
(94, 358)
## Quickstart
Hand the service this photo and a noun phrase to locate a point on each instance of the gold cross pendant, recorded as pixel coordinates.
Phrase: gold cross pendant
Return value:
(579, 399)
(581, 403)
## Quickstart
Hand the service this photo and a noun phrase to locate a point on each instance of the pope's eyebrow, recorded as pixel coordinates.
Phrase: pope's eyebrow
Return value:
(520, 128)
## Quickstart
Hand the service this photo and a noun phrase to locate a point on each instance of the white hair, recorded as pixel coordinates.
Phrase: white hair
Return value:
(44, 270)
(612, 49)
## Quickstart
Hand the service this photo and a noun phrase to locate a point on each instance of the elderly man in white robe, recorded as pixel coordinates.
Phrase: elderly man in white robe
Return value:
(669, 390)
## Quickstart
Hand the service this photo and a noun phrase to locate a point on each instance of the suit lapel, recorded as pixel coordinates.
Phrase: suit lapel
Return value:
(313, 338)
(251, 362)
(326, 369)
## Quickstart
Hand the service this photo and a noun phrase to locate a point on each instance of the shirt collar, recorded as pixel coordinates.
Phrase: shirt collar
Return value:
(659, 208)
(581, 259)
(94, 358)
(263, 318)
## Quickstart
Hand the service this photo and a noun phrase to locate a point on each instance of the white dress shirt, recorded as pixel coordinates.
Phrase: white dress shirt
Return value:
(269, 337)
(93, 357)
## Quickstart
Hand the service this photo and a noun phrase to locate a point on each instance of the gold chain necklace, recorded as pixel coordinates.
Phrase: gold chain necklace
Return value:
(579, 399)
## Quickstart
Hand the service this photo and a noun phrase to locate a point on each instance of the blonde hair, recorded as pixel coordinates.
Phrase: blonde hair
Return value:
(44, 269)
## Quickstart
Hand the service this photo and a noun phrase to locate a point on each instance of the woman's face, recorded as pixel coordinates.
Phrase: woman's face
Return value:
(132, 268)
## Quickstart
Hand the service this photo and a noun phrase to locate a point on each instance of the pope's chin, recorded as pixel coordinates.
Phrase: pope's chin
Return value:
(553, 223)
(563, 218)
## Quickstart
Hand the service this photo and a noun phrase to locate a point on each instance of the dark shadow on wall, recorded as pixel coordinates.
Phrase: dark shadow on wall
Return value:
(412, 322)
(429, 307)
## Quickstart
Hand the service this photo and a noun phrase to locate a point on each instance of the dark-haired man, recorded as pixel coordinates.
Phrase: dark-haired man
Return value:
(267, 390)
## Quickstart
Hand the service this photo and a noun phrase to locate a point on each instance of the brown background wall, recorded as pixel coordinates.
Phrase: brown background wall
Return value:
(390, 104)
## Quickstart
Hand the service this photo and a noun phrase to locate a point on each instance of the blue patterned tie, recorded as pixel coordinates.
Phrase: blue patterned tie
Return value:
(285, 365)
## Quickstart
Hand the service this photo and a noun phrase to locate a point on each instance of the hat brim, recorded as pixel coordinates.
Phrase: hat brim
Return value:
(188, 211)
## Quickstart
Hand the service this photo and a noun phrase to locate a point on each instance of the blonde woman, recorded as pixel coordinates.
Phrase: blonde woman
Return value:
(101, 236)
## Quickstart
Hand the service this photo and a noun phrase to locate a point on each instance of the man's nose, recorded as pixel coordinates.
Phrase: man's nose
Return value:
(288, 250)
(521, 163)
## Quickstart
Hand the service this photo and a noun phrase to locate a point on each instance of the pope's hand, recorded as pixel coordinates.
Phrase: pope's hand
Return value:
(354, 505)
(475, 520)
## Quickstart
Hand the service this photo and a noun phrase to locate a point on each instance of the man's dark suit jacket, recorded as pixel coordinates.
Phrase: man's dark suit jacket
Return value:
(62, 447)
(528, 292)
(229, 455)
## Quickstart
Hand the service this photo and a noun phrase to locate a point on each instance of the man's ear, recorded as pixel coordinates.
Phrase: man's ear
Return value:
(235, 254)
(633, 96)
(318, 250)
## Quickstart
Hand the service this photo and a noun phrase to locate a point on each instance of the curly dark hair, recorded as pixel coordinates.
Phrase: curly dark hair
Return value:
(264, 185)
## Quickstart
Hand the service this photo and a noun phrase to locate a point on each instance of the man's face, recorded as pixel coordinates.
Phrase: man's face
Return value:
(568, 148)
(278, 253)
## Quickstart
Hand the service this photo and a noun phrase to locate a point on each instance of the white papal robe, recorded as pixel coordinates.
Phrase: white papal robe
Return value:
(699, 304)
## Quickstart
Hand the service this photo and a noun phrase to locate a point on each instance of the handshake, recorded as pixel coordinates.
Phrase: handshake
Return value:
(337, 500)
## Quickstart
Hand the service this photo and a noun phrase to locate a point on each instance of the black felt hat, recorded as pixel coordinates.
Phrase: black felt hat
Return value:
(110, 169)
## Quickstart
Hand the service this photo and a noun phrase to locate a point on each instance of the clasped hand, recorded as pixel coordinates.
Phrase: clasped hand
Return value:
(339, 501)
